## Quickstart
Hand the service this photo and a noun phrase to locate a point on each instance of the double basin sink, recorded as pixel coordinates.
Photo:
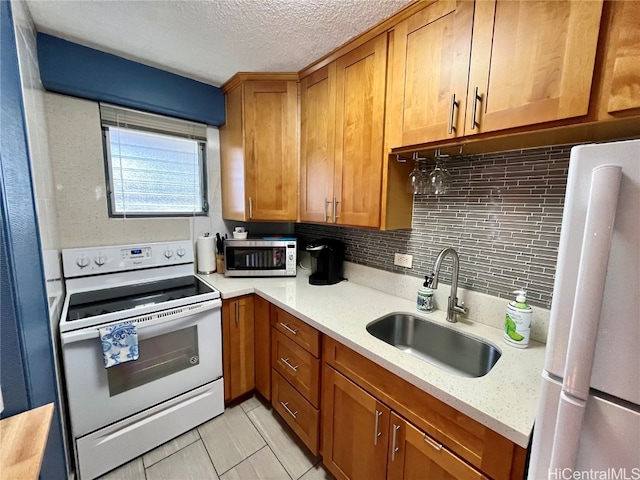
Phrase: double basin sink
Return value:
(444, 347)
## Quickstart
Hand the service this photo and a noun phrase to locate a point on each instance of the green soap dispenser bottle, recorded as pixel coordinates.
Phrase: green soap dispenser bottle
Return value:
(517, 322)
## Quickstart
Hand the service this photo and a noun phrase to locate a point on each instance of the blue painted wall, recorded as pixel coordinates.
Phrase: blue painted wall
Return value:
(27, 371)
(80, 71)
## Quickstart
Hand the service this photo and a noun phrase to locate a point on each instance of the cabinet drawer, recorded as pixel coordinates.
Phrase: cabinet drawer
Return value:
(301, 416)
(298, 331)
(296, 365)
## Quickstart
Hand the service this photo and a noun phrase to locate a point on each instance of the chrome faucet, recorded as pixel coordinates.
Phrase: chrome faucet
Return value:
(452, 308)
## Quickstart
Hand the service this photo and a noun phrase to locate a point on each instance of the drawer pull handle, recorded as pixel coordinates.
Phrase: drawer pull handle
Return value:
(437, 446)
(394, 447)
(288, 364)
(285, 325)
(286, 407)
(377, 433)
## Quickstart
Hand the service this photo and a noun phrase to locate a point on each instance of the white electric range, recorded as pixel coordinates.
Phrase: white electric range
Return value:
(120, 412)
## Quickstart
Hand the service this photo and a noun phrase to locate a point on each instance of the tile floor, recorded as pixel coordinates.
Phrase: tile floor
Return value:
(248, 441)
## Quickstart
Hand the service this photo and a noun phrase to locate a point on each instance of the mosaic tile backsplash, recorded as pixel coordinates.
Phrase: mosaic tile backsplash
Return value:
(502, 214)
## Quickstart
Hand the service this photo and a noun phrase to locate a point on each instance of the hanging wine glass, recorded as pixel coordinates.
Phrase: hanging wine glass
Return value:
(416, 177)
(414, 180)
(423, 184)
(439, 179)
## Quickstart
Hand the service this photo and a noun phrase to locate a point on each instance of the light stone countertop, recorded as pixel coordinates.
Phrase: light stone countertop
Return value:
(505, 400)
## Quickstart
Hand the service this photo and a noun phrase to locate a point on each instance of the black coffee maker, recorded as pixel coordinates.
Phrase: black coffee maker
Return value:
(327, 256)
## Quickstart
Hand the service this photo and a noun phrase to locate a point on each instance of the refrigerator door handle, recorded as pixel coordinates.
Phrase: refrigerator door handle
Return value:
(567, 434)
(594, 259)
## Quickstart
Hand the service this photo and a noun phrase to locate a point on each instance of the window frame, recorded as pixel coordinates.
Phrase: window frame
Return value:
(108, 165)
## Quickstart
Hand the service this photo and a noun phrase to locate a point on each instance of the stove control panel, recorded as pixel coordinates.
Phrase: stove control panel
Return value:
(80, 262)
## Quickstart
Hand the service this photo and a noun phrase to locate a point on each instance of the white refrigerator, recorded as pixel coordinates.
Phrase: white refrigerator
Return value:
(588, 421)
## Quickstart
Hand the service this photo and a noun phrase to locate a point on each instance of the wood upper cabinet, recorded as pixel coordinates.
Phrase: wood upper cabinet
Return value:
(238, 346)
(430, 65)
(531, 62)
(355, 429)
(620, 81)
(359, 123)
(341, 140)
(460, 68)
(345, 176)
(258, 150)
(317, 140)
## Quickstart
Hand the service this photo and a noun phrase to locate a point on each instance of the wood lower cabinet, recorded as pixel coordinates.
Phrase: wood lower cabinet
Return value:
(262, 346)
(364, 439)
(259, 150)
(469, 449)
(295, 362)
(297, 330)
(355, 429)
(297, 411)
(415, 455)
(238, 346)
(299, 367)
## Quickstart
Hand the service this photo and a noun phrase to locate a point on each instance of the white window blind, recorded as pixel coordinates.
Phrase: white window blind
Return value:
(114, 116)
(152, 173)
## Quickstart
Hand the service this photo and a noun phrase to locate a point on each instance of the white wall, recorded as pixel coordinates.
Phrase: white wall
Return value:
(75, 140)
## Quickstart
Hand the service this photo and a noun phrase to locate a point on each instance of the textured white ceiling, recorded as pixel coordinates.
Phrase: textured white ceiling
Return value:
(210, 40)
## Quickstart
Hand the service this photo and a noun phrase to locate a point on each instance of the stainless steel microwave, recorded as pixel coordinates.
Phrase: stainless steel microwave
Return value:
(260, 258)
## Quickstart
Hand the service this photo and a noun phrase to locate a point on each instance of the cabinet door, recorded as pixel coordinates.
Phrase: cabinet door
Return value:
(624, 93)
(271, 173)
(354, 429)
(317, 112)
(415, 455)
(430, 65)
(238, 346)
(531, 62)
(262, 347)
(360, 82)
(232, 159)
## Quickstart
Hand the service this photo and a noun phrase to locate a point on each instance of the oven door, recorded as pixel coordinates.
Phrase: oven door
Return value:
(180, 349)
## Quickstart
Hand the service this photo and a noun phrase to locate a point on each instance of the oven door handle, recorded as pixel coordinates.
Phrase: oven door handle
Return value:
(143, 321)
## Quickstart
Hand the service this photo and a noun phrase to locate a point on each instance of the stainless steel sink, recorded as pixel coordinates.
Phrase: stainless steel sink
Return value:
(444, 347)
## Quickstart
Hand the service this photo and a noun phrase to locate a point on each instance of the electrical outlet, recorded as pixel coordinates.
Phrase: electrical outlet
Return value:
(403, 260)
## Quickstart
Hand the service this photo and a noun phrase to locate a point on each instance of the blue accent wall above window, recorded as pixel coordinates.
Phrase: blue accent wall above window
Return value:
(72, 69)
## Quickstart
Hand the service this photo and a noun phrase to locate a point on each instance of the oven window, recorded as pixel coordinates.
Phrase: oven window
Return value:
(160, 357)
(256, 258)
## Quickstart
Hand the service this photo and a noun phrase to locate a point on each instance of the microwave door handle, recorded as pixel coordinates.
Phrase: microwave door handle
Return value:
(94, 332)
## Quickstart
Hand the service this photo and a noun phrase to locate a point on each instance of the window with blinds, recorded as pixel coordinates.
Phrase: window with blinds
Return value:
(155, 165)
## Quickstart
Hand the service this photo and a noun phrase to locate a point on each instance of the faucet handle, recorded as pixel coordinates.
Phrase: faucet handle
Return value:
(461, 309)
